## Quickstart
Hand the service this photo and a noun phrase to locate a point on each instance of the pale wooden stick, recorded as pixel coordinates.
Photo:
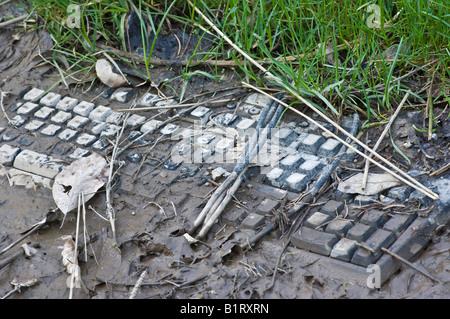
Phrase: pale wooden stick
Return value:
(138, 284)
(75, 252)
(15, 20)
(380, 139)
(228, 39)
(419, 186)
(425, 191)
(441, 170)
(214, 63)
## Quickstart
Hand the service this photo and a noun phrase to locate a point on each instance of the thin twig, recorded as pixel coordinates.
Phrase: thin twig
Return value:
(172, 283)
(295, 225)
(19, 285)
(2, 96)
(429, 108)
(219, 200)
(85, 233)
(161, 210)
(16, 288)
(138, 284)
(11, 258)
(184, 284)
(15, 20)
(189, 63)
(99, 215)
(382, 85)
(158, 126)
(174, 208)
(136, 173)
(18, 253)
(366, 247)
(51, 216)
(407, 180)
(75, 271)
(109, 207)
(380, 139)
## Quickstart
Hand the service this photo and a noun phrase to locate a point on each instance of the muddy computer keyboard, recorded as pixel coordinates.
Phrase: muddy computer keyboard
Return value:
(43, 131)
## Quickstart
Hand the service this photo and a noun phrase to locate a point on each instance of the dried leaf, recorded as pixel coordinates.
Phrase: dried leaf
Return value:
(376, 183)
(85, 175)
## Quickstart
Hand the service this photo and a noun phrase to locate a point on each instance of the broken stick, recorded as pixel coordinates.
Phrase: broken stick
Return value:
(406, 179)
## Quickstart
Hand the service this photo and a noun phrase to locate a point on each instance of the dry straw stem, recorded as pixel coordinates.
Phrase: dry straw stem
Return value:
(215, 200)
(380, 139)
(412, 182)
(158, 126)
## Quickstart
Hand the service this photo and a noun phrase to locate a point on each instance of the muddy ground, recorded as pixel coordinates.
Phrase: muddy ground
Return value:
(150, 240)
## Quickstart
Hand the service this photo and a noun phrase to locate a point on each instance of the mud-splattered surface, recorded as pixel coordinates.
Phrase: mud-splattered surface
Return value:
(149, 239)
